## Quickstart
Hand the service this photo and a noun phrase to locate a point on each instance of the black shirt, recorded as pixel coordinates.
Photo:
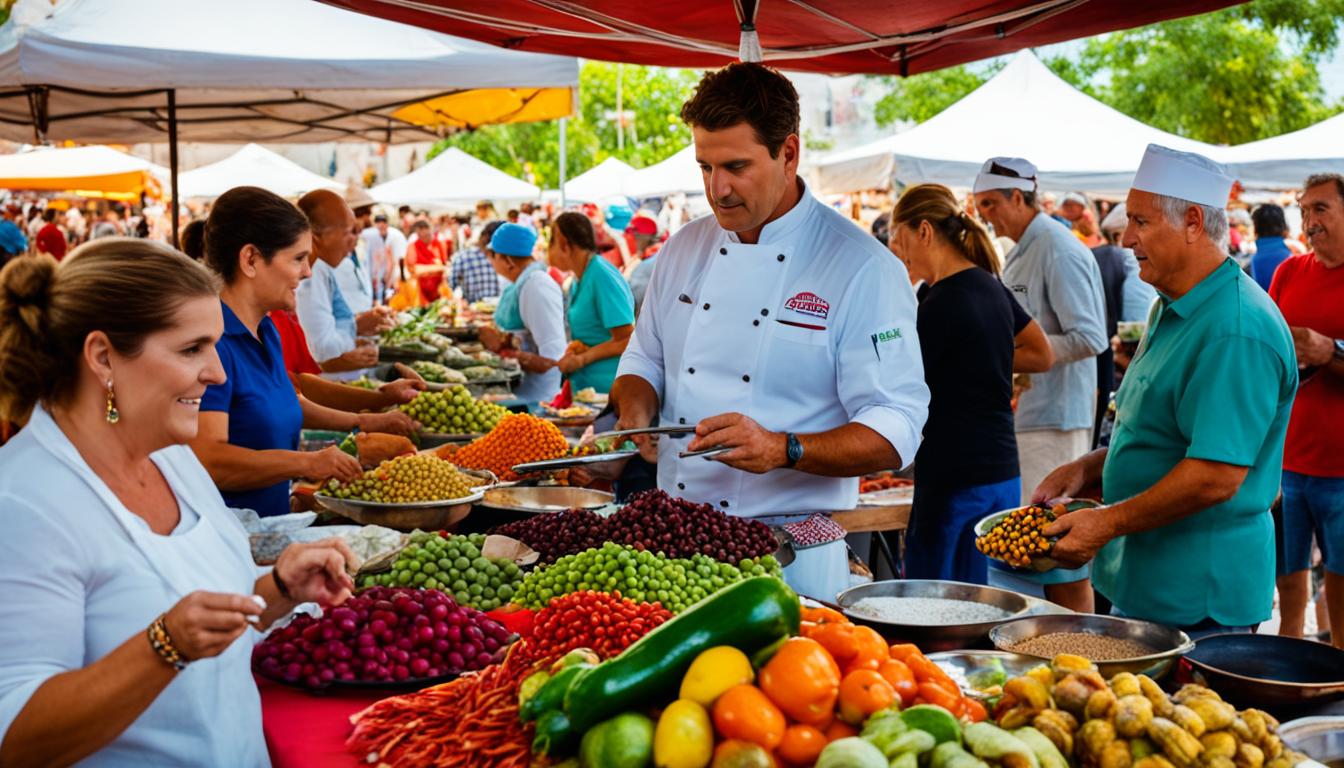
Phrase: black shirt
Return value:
(967, 323)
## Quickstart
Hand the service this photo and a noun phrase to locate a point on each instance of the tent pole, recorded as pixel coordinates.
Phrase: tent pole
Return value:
(563, 122)
(172, 161)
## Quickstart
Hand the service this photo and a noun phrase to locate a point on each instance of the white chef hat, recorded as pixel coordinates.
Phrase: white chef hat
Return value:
(1184, 176)
(1116, 220)
(1006, 173)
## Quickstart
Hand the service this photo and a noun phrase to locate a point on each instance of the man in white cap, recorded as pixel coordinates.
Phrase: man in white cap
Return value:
(1185, 538)
(1056, 279)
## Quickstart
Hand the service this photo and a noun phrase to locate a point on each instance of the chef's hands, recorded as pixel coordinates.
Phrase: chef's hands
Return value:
(374, 321)
(403, 390)
(1081, 535)
(1063, 483)
(331, 462)
(571, 362)
(755, 448)
(1313, 349)
(492, 338)
(318, 572)
(205, 624)
(362, 356)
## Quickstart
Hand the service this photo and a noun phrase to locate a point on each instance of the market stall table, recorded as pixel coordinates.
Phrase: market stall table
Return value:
(303, 730)
(889, 518)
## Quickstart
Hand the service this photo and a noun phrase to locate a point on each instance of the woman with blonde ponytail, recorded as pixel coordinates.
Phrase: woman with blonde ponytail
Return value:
(130, 587)
(973, 336)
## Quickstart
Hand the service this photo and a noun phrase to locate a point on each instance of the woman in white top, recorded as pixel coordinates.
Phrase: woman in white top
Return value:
(531, 312)
(129, 585)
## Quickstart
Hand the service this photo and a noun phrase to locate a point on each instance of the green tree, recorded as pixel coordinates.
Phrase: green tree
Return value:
(922, 96)
(532, 150)
(1227, 77)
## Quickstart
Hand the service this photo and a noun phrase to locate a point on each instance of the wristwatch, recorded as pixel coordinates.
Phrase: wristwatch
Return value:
(1339, 349)
(793, 450)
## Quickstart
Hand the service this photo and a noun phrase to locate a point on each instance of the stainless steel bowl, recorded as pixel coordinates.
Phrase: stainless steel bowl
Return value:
(1320, 738)
(933, 637)
(554, 498)
(1038, 564)
(961, 665)
(1168, 644)
(422, 515)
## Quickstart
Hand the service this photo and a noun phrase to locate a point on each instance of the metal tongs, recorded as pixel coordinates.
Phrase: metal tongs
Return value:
(679, 430)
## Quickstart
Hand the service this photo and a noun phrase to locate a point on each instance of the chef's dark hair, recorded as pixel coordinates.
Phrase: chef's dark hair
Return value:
(246, 216)
(125, 287)
(577, 229)
(937, 205)
(746, 92)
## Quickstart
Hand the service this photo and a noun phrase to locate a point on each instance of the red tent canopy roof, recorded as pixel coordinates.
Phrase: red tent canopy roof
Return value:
(831, 36)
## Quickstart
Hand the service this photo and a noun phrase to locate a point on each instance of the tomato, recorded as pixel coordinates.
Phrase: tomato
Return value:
(872, 650)
(839, 640)
(822, 615)
(901, 679)
(801, 745)
(862, 693)
(936, 694)
(928, 672)
(903, 651)
(743, 712)
(840, 730)
(802, 680)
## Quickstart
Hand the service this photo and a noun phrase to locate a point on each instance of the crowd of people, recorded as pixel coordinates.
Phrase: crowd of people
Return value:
(158, 390)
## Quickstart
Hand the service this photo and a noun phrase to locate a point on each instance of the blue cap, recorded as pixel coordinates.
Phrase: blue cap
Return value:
(514, 240)
(619, 216)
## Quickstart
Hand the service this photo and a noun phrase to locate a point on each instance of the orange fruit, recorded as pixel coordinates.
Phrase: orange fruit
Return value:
(839, 640)
(863, 692)
(802, 680)
(801, 745)
(744, 712)
(840, 730)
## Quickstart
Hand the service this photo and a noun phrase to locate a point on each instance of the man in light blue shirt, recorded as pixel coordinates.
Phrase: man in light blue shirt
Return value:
(331, 326)
(1056, 279)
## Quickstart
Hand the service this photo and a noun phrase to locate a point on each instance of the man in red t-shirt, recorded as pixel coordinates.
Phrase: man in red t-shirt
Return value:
(1309, 290)
(50, 238)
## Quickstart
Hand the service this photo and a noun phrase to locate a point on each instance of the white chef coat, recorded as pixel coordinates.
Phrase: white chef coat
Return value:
(542, 305)
(82, 574)
(809, 330)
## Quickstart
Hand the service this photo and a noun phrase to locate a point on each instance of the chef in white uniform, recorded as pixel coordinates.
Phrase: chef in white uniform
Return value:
(776, 328)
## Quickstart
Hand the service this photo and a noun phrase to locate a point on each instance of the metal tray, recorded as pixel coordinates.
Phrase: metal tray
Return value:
(934, 637)
(554, 498)
(1038, 564)
(1320, 738)
(569, 462)
(424, 515)
(1168, 644)
(960, 665)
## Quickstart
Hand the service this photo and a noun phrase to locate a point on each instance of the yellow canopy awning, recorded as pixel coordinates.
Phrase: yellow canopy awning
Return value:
(490, 106)
(96, 171)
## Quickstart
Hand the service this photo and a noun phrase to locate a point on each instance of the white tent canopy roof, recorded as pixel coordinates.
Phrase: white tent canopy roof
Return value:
(454, 179)
(598, 182)
(1284, 162)
(73, 162)
(678, 173)
(1025, 110)
(253, 166)
(263, 70)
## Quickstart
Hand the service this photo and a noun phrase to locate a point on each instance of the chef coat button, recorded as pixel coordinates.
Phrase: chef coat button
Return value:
(681, 420)
(690, 370)
(765, 313)
(755, 322)
(724, 503)
(723, 251)
(706, 305)
(780, 257)
(745, 377)
(681, 486)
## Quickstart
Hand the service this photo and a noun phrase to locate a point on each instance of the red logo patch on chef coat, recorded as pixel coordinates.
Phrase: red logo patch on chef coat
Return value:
(809, 304)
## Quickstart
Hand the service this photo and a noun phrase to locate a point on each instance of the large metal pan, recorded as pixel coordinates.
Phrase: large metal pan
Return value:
(933, 637)
(1266, 671)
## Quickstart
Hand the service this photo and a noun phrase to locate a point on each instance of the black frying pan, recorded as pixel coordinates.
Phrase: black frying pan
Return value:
(1265, 670)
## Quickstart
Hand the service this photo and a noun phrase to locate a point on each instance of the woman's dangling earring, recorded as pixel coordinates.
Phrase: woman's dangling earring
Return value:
(113, 415)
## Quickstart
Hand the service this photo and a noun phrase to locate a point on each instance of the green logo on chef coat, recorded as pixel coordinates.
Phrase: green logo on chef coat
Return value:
(883, 337)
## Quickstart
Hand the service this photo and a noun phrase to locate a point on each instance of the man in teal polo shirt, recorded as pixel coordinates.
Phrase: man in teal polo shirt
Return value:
(1185, 538)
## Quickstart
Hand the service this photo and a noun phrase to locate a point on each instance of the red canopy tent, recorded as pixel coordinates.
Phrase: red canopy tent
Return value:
(902, 37)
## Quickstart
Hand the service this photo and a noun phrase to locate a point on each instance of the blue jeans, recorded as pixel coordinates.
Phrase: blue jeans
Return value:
(940, 542)
(1312, 506)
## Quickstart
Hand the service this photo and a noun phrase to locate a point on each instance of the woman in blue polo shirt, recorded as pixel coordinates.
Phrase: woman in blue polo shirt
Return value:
(260, 244)
(601, 306)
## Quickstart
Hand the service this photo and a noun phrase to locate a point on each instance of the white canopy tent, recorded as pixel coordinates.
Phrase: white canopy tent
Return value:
(243, 70)
(454, 179)
(1025, 110)
(600, 181)
(1284, 162)
(678, 173)
(255, 166)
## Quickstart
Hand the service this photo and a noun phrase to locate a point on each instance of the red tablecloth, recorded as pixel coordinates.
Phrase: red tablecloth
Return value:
(307, 731)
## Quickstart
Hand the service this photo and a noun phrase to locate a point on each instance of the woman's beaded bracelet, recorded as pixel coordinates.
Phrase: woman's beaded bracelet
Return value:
(162, 642)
